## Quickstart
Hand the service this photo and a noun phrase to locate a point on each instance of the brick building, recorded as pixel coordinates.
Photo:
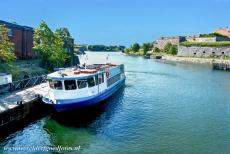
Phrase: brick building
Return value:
(22, 37)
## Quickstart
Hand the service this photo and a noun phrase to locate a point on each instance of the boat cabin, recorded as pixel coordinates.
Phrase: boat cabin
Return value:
(80, 83)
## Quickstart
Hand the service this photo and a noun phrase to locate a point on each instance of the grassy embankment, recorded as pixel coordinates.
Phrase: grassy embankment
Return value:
(206, 44)
(20, 68)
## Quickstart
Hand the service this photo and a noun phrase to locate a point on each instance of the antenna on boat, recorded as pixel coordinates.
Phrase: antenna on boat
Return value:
(86, 58)
(107, 58)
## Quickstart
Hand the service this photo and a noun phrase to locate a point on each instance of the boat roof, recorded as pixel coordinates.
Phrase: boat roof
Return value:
(80, 72)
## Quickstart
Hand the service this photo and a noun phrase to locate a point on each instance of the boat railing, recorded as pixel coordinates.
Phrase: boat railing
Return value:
(27, 82)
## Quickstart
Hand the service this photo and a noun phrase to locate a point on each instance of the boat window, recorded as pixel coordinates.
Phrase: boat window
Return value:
(82, 83)
(70, 85)
(100, 78)
(91, 82)
(54, 84)
(113, 79)
(96, 80)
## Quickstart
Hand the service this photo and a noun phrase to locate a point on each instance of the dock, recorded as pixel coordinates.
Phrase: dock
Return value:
(221, 66)
(19, 105)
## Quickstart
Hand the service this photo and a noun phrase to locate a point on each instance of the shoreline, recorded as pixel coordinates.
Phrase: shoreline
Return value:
(195, 60)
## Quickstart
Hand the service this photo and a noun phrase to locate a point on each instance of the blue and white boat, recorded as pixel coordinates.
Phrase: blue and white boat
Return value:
(83, 86)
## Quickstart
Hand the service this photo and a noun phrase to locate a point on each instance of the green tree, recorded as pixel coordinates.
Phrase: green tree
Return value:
(127, 51)
(66, 37)
(6, 46)
(50, 46)
(173, 50)
(170, 49)
(68, 43)
(167, 47)
(135, 47)
(146, 47)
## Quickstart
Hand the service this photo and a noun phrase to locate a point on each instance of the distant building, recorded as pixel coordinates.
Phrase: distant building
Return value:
(22, 37)
(197, 38)
(224, 31)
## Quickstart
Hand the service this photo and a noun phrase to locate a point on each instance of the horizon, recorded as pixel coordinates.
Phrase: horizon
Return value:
(108, 22)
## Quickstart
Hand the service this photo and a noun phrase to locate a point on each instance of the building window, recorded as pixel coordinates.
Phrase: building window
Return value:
(10, 32)
(203, 51)
(55, 84)
(81, 83)
(70, 85)
(90, 82)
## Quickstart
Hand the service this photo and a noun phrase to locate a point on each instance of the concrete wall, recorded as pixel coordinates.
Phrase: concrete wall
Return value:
(195, 51)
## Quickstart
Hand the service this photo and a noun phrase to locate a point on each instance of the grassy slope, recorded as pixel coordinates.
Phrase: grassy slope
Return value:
(207, 44)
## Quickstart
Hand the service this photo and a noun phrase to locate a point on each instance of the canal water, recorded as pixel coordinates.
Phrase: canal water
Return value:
(165, 107)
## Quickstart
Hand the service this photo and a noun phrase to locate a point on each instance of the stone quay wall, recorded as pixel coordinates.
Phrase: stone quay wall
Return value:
(195, 51)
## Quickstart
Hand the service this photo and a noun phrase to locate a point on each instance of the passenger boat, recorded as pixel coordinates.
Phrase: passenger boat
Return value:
(83, 86)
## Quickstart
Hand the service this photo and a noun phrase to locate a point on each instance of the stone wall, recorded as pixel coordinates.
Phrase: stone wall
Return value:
(194, 51)
(161, 42)
(206, 39)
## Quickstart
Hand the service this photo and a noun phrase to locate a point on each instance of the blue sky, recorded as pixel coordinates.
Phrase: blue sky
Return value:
(120, 21)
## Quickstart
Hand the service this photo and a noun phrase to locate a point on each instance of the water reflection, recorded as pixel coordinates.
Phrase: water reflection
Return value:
(84, 117)
(79, 127)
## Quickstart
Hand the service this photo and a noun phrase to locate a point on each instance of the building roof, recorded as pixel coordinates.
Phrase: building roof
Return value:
(15, 25)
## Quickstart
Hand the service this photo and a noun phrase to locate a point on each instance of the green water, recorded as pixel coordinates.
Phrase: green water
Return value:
(165, 107)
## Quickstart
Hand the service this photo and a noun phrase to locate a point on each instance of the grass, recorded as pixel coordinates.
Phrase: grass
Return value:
(206, 44)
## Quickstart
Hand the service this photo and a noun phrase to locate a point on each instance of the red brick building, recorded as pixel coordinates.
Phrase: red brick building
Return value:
(22, 37)
(224, 31)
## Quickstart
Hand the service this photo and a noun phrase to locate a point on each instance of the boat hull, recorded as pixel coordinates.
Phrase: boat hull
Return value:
(67, 105)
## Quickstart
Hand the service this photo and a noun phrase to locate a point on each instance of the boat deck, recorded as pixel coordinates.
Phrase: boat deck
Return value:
(81, 71)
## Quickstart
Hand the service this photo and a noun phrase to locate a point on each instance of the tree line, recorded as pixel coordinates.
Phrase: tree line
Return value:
(143, 49)
(136, 48)
(105, 48)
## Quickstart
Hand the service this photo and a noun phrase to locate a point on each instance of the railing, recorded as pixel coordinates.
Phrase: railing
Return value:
(26, 83)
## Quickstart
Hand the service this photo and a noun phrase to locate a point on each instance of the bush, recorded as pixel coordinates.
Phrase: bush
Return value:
(127, 51)
(170, 49)
(212, 35)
